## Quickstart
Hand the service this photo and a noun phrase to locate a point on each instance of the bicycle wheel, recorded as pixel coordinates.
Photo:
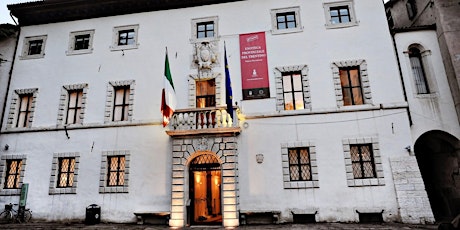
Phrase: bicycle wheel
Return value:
(27, 216)
(6, 217)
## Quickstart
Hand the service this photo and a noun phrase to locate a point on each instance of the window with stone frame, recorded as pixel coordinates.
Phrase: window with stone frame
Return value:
(80, 42)
(125, 37)
(292, 88)
(34, 47)
(340, 14)
(300, 169)
(351, 83)
(114, 172)
(72, 104)
(22, 108)
(204, 29)
(64, 173)
(286, 20)
(12, 168)
(363, 162)
(411, 8)
(120, 96)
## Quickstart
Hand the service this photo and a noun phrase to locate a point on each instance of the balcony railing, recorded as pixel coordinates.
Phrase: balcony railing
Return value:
(203, 120)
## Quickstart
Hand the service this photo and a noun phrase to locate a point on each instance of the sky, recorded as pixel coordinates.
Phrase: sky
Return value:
(5, 13)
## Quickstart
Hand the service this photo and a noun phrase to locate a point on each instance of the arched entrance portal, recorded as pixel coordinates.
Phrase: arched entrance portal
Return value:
(438, 156)
(205, 190)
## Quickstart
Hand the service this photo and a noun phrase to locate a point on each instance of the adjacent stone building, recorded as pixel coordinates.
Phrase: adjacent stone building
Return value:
(320, 129)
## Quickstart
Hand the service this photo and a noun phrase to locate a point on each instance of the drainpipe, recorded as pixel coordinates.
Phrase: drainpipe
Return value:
(401, 76)
(10, 73)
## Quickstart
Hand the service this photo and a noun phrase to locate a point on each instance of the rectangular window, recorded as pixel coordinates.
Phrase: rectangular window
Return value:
(286, 20)
(82, 42)
(25, 109)
(116, 170)
(351, 85)
(126, 37)
(35, 47)
(74, 106)
(362, 160)
(13, 174)
(205, 29)
(66, 172)
(299, 164)
(206, 93)
(340, 14)
(292, 91)
(121, 103)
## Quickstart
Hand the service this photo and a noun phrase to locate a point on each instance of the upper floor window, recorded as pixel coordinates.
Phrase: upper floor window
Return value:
(352, 90)
(204, 29)
(24, 110)
(411, 8)
(206, 93)
(119, 104)
(74, 106)
(352, 85)
(286, 20)
(418, 71)
(13, 174)
(340, 14)
(292, 88)
(125, 37)
(80, 42)
(34, 47)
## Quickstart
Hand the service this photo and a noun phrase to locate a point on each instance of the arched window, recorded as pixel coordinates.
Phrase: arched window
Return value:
(418, 71)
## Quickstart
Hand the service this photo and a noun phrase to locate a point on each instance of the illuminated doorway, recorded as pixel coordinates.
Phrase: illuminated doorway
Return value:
(205, 190)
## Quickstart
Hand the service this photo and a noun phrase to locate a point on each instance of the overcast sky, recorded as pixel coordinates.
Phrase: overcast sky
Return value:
(5, 13)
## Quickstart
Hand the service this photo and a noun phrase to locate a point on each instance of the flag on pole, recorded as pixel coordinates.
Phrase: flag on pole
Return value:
(168, 97)
(228, 86)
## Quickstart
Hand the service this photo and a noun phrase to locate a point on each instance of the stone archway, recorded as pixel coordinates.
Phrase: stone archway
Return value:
(438, 157)
(224, 151)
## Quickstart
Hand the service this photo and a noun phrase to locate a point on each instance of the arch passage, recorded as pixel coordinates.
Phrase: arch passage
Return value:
(438, 156)
(205, 190)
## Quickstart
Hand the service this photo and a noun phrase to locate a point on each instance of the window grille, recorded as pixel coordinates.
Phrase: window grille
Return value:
(66, 172)
(116, 170)
(25, 108)
(292, 91)
(121, 103)
(351, 86)
(362, 159)
(418, 71)
(299, 164)
(13, 173)
(286, 20)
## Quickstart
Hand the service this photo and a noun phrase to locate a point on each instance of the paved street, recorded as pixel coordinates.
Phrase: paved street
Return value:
(317, 226)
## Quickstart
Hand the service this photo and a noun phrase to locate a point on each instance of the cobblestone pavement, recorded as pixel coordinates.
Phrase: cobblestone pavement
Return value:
(111, 226)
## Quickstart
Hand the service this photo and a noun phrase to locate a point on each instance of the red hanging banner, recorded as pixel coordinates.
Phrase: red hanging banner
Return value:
(254, 67)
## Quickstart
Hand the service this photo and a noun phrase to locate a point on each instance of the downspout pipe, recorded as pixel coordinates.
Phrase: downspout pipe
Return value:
(10, 74)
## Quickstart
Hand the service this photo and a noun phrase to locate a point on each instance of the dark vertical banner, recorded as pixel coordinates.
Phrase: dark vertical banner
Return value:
(254, 67)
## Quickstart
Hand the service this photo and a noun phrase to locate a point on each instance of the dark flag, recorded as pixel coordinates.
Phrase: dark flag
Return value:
(228, 87)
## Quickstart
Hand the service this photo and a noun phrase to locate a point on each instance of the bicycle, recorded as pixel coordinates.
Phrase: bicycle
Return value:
(9, 215)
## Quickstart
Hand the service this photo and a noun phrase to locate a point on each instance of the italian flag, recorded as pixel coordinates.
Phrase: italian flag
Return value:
(168, 97)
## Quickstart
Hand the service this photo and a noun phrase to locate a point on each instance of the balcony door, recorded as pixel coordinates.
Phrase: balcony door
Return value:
(205, 93)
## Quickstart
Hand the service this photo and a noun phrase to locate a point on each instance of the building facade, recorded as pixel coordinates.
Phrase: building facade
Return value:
(319, 131)
(425, 59)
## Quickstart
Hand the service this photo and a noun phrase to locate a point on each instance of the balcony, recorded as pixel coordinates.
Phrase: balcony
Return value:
(199, 121)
